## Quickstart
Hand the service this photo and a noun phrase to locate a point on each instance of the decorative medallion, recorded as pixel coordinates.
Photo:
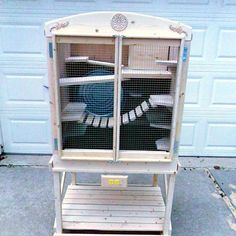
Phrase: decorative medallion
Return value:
(119, 22)
(178, 30)
(58, 26)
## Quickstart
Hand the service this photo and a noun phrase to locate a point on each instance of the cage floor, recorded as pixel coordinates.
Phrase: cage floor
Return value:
(136, 209)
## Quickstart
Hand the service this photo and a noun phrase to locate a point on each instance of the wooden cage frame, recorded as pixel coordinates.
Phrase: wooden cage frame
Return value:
(107, 27)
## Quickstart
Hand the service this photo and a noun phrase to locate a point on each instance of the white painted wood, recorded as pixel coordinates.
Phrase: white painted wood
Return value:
(110, 122)
(101, 63)
(89, 119)
(175, 114)
(96, 121)
(76, 59)
(87, 207)
(163, 144)
(113, 226)
(75, 163)
(144, 73)
(132, 115)
(81, 119)
(73, 111)
(169, 202)
(161, 100)
(83, 25)
(58, 201)
(138, 111)
(63, 177)
(160, 126)
(169, 63)
(100, 234)
(85, 80)
(118, 98)
(125, 118)
(144, 106)
(103, 123)
(106, 213)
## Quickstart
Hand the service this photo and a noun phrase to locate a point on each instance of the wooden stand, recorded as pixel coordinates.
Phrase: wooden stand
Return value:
(96, 210)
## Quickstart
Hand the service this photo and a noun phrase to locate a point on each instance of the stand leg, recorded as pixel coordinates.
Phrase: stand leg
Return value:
(58, 203)
(155, 180)
(169, 202)
(73, 178)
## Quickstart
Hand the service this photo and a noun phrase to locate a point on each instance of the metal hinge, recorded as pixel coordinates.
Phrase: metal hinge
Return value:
(50, 50)
(55, 144)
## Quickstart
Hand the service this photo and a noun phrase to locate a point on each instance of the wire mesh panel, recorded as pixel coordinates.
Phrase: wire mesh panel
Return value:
(86, 87)
(148, 90)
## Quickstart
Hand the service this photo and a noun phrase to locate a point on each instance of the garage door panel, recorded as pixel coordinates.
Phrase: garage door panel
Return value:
(26, 133)
(22, 41)
(198, 51)
(225, 50)
(24, 88)
(193, 91)
(189, 143)
(224, 92)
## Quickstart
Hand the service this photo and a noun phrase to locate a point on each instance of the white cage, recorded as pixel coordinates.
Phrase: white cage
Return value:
(117, 91)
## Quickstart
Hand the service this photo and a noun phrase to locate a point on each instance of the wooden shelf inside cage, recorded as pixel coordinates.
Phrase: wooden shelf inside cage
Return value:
(145, 73)
(163, 144)
(85, 80)
(107, 209)
(73, 111)
(92, 62)
(169, 63)
(161, 100)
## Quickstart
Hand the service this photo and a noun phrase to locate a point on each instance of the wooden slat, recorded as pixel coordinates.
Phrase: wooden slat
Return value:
(169, 63)
(73, 111)
(89, 119)
(112, 226)
(144, 106)
(96, 121)
(68, 206)
(99, 208)
(161, 100)
(110, 122)
(125, 118)
(113, 219)
(106, 213)
(100, 234)
(144, 73)
(85, 80)
(113, 202)
(160, 126)
(103, 122)
(76, 59)
(130, 188)
(138, 111)
(117, 192)
(81, 119)
(112, 196)
(101, 63)
(132, 115)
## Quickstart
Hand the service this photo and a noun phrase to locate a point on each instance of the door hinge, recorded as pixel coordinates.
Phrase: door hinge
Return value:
(50, 50)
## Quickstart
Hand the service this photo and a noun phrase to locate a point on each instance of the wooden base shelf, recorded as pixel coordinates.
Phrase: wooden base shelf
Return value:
(106, 209)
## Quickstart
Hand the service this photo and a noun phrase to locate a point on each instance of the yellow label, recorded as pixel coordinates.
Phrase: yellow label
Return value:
(114, 182)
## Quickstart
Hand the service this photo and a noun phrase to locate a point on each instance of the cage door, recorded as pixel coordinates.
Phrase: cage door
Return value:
(86, 81)
(147, 69)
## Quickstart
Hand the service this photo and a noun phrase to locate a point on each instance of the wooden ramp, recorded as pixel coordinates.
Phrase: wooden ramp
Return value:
(134, 209)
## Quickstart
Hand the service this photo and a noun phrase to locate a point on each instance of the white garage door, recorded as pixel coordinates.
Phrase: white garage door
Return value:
(210, 112)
